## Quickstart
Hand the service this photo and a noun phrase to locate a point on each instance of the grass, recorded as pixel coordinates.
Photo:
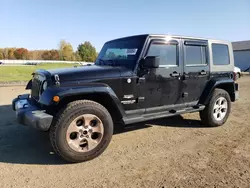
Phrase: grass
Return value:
(23, 73)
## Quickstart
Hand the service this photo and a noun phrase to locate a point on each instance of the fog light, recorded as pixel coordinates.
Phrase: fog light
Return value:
(56, 98)
(20, 104)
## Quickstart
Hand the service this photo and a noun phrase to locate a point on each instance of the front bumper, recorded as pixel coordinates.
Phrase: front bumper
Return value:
(31, 115)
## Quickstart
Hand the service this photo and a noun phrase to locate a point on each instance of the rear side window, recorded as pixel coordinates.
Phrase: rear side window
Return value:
(220, 54)
(195, 55)
(166, 52)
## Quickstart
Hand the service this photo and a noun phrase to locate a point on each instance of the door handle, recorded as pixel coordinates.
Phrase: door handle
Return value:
(203, 72)
(175, 74)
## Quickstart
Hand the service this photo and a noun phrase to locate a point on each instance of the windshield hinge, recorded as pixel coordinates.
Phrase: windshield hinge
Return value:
(57, 79)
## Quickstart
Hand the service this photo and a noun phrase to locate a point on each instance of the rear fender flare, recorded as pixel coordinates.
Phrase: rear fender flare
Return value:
(217, 83)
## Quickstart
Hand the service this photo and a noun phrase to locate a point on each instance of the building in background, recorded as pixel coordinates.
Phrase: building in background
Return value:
(242, 54)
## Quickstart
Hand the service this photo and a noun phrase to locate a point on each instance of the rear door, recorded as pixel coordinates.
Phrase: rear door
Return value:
(196, 69)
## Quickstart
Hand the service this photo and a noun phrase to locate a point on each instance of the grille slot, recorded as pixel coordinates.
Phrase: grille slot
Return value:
(36, 85)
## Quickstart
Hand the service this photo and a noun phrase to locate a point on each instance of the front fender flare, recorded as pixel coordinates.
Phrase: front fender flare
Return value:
(63, 92)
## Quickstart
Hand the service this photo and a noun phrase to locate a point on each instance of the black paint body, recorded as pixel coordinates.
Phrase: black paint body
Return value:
(152, 91)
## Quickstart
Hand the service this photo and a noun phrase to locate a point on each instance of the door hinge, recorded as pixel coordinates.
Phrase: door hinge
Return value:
(140, 99)
(141, 80)
(185, 94)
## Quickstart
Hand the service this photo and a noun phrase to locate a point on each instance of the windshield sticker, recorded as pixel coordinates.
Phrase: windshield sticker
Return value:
(131, 51)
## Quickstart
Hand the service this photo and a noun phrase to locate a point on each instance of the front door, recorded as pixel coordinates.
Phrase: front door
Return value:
(162, 85)
(196, 69)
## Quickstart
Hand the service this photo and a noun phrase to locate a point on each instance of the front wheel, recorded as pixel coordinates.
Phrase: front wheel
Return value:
(81, 131)
(218, 109)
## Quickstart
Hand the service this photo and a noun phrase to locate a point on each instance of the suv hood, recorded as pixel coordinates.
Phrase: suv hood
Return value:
(86, 73)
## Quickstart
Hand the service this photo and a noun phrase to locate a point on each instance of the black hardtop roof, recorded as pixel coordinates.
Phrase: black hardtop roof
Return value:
(162, 35)
(241, 45)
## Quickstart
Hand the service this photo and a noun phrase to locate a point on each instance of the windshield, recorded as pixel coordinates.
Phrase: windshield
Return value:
(121, 52)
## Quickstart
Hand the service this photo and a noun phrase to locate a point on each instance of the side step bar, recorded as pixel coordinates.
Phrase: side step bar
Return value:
(158, 115)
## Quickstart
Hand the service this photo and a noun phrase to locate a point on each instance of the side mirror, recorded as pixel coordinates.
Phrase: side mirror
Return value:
(151, 62)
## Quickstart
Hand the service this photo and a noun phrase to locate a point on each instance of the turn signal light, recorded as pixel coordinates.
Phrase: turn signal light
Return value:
(56, 98)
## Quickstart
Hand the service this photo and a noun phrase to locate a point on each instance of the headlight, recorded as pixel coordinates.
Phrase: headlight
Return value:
(45, 85)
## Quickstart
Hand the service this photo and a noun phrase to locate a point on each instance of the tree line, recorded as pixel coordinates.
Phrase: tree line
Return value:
(85, 52)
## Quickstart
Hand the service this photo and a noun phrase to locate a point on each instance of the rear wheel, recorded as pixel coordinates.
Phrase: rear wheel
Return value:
(218, 109)
(81, 131)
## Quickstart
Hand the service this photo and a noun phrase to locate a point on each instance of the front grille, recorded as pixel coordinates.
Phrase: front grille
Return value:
(37, 81)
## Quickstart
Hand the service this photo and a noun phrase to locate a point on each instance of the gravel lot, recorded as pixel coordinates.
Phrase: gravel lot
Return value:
(171, 152)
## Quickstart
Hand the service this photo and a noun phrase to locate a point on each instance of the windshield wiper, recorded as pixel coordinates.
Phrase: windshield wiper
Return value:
(114, 62)
(109, 62)
(101, 62)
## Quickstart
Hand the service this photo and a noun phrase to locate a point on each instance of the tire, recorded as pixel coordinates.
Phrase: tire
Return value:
(237, 76)
(209, 116)
(75, 119)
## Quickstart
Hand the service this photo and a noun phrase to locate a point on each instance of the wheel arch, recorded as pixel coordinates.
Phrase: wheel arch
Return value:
(226, 84)
(104, 96)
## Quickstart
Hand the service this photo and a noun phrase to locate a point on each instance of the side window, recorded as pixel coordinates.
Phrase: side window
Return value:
(195, 55)
(166, 52)
(220, 54)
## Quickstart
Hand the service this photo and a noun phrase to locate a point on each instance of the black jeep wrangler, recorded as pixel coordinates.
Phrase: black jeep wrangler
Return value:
(134, 79)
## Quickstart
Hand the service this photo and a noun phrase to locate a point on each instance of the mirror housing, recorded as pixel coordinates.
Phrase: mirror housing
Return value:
(151, 62)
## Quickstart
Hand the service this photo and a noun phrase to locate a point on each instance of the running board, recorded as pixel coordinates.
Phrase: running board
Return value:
(163, 114)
